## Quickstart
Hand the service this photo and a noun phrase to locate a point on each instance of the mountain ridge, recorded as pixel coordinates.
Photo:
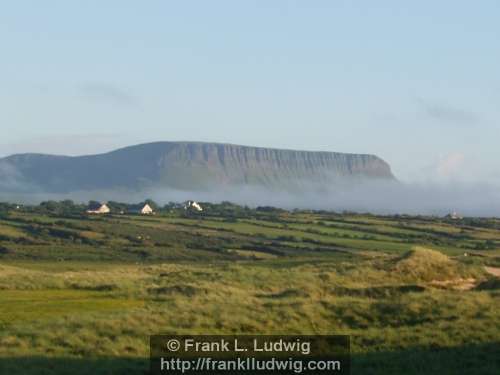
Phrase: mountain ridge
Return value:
(186, 166)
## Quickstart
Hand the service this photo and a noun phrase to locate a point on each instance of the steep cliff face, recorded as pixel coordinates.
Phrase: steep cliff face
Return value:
(187, 166)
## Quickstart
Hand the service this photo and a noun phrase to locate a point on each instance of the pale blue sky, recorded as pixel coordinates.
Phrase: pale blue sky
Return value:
(415, 82)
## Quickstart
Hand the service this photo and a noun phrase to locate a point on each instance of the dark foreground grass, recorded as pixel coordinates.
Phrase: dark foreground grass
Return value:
(73, 366)
(470, 359)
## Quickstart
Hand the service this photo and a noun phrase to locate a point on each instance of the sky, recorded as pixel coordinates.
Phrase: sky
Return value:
(416, 83)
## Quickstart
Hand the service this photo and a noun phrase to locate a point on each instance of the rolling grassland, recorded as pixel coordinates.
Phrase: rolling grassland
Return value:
(417, 295)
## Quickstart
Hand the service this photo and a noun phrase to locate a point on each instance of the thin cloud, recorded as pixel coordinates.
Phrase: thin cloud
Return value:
(454, 167)
(108, 93)
(448, 114)
(449, 165)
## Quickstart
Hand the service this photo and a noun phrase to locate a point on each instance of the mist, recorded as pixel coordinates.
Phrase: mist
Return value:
(374, 197)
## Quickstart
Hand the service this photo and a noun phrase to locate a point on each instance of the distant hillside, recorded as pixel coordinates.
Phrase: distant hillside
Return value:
(191, 166)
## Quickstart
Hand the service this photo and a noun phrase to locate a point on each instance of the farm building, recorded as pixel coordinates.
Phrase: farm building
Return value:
(143, 209)
(454, 216)
(192, 205)
(98, 208)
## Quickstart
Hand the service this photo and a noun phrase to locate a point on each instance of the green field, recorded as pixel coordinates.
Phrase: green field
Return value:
(82, 295)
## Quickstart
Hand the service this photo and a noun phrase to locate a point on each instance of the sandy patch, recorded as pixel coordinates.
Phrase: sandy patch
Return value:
(456, 284)
(495, 271)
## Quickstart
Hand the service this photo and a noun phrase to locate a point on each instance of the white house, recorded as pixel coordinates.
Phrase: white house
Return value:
(193, 206)
(454, 216)
(143, 210)
(98, 209)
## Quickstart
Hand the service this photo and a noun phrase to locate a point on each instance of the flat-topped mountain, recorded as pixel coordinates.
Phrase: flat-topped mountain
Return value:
(187, 166)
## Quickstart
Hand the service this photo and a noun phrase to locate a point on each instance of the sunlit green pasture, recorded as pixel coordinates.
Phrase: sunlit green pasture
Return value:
(86, 293)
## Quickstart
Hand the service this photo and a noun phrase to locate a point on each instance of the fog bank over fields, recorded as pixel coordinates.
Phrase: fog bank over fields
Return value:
(375, 197)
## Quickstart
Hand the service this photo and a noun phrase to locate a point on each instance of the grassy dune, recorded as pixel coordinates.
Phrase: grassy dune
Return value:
(415, 308)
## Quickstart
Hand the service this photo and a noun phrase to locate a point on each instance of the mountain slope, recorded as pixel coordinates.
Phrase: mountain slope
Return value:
(186, 166)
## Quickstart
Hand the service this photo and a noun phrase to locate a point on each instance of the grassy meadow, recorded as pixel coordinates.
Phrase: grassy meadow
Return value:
(84, 293)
